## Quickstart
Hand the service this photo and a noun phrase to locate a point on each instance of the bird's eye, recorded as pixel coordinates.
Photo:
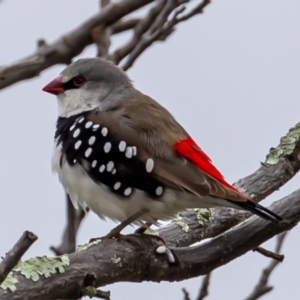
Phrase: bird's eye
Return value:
(79, 81)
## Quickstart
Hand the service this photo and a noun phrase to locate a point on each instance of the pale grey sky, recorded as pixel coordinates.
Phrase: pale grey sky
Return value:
(230, 76)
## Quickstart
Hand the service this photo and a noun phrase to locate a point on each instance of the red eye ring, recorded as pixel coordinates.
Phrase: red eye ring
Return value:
(79, 81)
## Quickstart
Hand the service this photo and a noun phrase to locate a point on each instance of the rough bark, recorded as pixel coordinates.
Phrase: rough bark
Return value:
(112, 261)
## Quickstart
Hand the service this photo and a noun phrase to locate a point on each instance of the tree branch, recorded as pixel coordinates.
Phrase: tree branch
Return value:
(101, 35)
(186, 294)
(122, 26)
(139, 30)
(14, 255)
(204, 287)
(262, 287)
(68, 46)
(112, 261)
(160, 29)
(269, 254)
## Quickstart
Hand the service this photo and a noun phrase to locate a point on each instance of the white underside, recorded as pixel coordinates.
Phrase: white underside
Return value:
(84, 192)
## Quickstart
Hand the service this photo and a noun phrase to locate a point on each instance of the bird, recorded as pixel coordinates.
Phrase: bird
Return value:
(121, 154)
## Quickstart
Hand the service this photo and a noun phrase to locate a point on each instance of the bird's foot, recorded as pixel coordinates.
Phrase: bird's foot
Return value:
(168, 252)
(163, 249)
(115, 233)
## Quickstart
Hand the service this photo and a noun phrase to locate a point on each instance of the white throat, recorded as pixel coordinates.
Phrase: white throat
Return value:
(73, 102)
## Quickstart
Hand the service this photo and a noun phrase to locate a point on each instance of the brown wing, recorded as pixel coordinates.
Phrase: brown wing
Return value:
(143, 123)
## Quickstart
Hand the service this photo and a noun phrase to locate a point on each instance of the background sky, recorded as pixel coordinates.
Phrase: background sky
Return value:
(230, 76)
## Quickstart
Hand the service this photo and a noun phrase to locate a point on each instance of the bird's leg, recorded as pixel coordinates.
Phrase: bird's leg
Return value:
(143, 228)
(116, 232)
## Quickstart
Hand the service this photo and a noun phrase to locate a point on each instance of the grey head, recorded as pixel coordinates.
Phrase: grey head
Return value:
(90, 83)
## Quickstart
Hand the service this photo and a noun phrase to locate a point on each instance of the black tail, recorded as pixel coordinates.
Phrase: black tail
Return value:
(260, 211)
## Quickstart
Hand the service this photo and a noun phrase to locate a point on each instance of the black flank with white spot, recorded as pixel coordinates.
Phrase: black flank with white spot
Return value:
(105, 159)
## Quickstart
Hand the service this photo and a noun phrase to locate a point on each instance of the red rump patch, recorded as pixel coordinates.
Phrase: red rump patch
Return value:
(190, 150)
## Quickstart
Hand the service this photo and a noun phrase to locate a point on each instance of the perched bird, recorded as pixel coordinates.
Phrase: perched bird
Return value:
(118, 151)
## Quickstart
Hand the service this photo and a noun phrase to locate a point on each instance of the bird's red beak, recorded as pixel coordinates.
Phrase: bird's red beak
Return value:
(55, 87)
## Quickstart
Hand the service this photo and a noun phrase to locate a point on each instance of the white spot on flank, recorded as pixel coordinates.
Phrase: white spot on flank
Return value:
(117, 185)
(88, 152)
(81, 120)
(77, 144)
(92, 140)
(72, 127)
(94, 164)
(74, 161)
(149, 165)
(76, 133)
(128, 152)
(134, 151)
(114, 171)
(128, 191)
(104, 131)
(110, 166)
(95, 127)
(107, 147)
(122, 146)
(159, 191)
(88, 124)
(101, 169)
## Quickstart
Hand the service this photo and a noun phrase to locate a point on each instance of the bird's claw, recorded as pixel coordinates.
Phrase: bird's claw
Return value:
(165, 250)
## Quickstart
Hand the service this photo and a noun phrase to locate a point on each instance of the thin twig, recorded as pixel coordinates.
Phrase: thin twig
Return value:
(101, 34)
(270, 254)
(204, 287)
(68, 46)
(139, 30)
(262, 287)
(162, 27)
(186, 294)
(74, 219)
(103, 295)
(14, 255)
(122, 26)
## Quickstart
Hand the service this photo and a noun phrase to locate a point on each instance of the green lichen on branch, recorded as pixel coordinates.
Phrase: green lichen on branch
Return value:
(87, 245)
(150, 231)
(286, 146)
(178, 220)
(203, 215)
(35, 267)
(9, 283)
(89, 291)
(116, 260)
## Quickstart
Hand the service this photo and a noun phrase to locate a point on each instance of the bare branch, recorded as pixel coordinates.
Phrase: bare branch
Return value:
(162, 28)
(101, 34)
(262, 287)
(139, 30)
(96, 293)
(14, 255)
(196, 10)
(122, 26)
(186, 294)
(74, 219)
(270, 254)
(112, 260)
(204, 287)
(68, 46)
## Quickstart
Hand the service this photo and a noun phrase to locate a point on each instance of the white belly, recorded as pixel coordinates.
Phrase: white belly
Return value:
(84, 192)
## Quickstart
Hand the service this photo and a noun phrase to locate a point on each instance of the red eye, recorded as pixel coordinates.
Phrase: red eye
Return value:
(79, 81)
